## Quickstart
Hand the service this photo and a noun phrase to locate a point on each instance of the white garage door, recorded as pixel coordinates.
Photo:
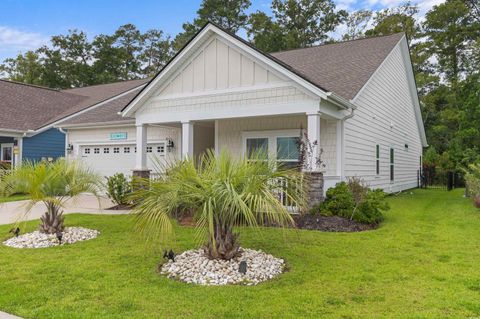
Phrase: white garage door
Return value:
(108, 160)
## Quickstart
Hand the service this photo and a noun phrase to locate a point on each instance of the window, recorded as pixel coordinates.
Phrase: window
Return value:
(106, 150)
(287, 152)
(257, 146)
(116, 150)
(126, 149)
(149, 149)
(161, 149)
(135, 149)
(377, 159)
(96, 150)
(86, 151)
(392, 165)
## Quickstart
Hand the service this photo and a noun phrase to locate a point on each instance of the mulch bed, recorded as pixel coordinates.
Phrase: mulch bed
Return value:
(330, 223)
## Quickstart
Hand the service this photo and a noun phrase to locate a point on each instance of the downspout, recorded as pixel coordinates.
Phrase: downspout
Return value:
(66, 140)
(343, 120)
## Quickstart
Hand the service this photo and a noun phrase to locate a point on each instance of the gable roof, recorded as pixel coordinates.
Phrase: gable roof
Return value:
(342, 67)
(105, 113)
(27, 107)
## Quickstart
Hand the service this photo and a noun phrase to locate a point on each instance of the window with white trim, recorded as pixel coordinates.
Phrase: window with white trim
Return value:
(256, 146)
(377, 159)
(392, 164)
(96, 150)
(126, 149)
(288, 151)
(149, 149)
(106, 150)
(86, 150)
(116, 150)
(280, 145)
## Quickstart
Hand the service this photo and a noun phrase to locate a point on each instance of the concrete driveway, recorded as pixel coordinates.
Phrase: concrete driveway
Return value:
(12, 212)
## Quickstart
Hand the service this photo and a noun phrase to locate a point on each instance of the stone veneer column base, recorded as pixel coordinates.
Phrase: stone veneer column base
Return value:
(314, 188)
(142, 173)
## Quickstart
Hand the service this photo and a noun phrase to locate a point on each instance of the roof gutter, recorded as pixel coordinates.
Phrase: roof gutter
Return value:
(340, 101)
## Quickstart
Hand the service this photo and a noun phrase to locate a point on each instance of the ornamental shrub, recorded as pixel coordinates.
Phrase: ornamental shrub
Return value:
(355, 201)
(119, 189)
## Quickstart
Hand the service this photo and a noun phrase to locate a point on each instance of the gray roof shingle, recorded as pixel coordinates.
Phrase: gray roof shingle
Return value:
(28, 107)
(343, 67)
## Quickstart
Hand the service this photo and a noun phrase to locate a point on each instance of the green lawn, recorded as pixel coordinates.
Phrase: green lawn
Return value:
(13, 198)
(422, 263)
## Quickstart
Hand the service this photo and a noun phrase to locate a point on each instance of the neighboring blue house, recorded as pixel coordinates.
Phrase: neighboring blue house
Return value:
(28, 114)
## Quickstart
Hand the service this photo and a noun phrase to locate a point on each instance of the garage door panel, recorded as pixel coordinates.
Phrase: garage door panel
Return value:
(108, 160)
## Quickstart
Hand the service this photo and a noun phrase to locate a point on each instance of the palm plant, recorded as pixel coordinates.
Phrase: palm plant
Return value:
(222, 193)
(52, 184)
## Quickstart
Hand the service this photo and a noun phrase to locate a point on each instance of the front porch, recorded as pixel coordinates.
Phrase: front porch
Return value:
(277, 135)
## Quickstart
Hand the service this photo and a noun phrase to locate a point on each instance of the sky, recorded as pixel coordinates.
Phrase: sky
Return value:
(29, 24)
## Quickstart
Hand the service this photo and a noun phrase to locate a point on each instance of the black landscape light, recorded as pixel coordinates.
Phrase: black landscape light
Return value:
(15, 231)
(59, 237)
(242, 268)
(169, 255)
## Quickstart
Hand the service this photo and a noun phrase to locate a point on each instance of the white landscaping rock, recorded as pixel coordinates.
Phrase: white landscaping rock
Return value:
(37, 239)
(193, 266)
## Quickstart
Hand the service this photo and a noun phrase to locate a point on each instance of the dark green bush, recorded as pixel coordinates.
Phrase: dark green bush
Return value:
(369, 211)
(353, 201)
(119, 189)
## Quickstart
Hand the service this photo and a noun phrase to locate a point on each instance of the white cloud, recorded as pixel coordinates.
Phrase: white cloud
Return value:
(12, 39)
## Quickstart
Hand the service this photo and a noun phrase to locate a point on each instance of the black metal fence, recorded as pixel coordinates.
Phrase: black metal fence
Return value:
(431, 177)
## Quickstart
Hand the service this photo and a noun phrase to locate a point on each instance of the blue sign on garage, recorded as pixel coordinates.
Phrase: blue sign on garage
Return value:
(118, 136)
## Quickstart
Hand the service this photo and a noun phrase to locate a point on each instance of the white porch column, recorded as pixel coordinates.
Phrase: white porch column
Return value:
(141, 156)
(340, 149)
(18, 151)
(187, 139)
(313, 131)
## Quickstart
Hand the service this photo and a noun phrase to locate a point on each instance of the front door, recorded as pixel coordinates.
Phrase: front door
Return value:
(7, 153)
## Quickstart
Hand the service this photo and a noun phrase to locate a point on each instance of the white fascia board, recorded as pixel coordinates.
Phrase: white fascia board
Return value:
(139, 98)
(11, 133)
(135, 104)
(413, 90)
(99, 125)
(57, 124)
(228, 113)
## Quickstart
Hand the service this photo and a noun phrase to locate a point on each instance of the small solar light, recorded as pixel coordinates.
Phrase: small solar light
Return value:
(15, 231)
(169, 255)
(59, 237)
(242, 268)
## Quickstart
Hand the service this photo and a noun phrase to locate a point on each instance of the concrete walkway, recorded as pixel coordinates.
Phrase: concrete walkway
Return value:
(4, 315)
(12, 212)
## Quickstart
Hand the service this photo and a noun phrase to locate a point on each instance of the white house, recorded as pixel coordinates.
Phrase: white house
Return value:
(358, 99)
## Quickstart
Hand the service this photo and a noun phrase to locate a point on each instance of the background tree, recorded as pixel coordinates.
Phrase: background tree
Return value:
(356, 23)
(229, 14)
(156, 52)
(24, 68)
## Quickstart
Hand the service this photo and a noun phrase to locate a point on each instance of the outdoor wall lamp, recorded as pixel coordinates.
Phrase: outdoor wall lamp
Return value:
(69, 148)
(170, 144)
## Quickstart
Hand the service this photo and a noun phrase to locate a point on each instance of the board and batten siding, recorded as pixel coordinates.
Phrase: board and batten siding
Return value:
(385, 116)
(218, 66)
(48, 144)
(230, 134)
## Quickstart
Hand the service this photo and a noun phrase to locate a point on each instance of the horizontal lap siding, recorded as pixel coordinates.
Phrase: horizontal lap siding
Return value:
(385, 100)
(50, 143)
(230, 134)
